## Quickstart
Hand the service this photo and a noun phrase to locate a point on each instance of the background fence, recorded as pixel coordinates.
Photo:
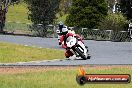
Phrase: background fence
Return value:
(103, 35)
(50, 31)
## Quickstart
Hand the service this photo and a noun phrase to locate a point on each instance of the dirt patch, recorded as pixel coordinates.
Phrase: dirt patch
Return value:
(15, 70)
(102, 67)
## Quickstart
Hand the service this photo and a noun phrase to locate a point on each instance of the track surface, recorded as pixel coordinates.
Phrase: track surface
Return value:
(102, 52)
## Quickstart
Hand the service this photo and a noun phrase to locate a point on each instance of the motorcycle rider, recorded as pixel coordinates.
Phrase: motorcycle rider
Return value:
(61, 25)
(59, 31)
(63, 38)
(130, 30)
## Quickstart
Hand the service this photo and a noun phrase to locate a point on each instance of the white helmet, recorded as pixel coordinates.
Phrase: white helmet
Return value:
(130, 25)
(64, 30)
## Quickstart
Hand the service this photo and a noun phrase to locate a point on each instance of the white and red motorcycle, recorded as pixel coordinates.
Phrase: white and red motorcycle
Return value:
(77, 48)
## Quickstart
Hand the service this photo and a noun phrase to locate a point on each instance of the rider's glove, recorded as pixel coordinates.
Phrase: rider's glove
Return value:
(59, 43)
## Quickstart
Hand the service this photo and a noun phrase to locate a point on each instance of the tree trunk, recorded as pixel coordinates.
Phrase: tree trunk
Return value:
(1, 18)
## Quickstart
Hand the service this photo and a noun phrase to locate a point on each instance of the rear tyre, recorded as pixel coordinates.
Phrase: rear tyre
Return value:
(81, 54)
(88, 57)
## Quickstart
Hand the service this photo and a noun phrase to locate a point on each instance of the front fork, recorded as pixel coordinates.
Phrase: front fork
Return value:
(82, 46)
(74, 51)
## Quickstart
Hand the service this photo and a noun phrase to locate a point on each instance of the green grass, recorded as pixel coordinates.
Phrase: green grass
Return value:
(17, 18)
(58, 79)
(18, 53)
(18, 13)
(12, 26)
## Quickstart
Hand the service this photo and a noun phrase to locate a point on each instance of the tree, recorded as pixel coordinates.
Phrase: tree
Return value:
(4, 4)
(113, 5)
(86, 13)
(3, 10)
(126, 8)
(42, 12)
(115, 22)
(64, 6)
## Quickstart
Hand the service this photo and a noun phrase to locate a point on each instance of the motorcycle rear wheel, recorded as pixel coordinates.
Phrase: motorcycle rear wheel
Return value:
(81, 54)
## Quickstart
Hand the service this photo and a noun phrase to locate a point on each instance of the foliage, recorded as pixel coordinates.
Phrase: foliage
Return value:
(4, 4)
(86, 13)
(111, 4)
(64, 7)
(42, 11)
(115, 22)
(62, 18)
(126, 8)
(15, 0)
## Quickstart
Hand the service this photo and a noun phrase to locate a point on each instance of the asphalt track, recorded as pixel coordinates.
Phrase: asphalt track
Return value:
(102, 52)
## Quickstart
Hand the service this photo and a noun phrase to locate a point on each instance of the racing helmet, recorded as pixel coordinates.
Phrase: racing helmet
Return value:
(61, 25)
(130, 26)
(64, 31)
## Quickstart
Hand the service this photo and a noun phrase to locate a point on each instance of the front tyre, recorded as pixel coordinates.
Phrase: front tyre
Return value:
(80, 53)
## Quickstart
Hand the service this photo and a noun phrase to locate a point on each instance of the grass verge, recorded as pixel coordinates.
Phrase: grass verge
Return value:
(18, 53)
(56, 77)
